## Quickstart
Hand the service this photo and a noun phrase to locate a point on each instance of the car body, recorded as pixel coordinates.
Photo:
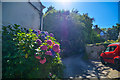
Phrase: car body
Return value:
(111, 54)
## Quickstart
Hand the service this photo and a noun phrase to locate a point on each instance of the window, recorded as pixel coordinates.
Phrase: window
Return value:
(110, 48)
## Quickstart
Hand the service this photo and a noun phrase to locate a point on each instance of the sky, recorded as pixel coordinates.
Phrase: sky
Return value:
(104, 13)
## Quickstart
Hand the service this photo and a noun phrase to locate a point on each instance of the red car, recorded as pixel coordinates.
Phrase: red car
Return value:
(111, 54)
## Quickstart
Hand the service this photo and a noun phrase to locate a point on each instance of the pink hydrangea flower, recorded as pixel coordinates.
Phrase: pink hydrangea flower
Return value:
(39, 41)
(43, 61)
(46, 32)
(49, 42)
(58, 51)
(48, 53)
(50, 74)
(44, 47)
(38, 57)
(56, 47)
(39, 32)
(51, 34)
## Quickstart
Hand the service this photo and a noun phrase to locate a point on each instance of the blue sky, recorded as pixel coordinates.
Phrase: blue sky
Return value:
(104, 13)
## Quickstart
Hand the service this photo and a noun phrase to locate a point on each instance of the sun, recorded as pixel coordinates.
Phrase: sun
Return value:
(63, 1)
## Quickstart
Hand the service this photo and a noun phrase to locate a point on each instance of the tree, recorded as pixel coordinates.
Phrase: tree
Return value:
(50, 8)
(71, 29)
(118, 26)
(113, 32)
(75, 10)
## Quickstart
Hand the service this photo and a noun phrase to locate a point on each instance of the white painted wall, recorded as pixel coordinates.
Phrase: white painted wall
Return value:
(119, 37)
(0, 40)
(0, 15)
(21, 13)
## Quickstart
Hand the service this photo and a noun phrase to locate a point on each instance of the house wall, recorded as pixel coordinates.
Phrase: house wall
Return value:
(0, 15)
(119, 37)
(0, 40)
(21, 13)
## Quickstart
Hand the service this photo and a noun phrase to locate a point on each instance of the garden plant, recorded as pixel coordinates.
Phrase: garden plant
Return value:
(30, 54)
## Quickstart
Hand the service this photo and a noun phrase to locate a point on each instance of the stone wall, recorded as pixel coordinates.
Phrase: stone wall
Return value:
(94, 51)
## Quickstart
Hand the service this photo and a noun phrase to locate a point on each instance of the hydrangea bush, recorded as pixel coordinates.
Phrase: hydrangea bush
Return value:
(30, 54)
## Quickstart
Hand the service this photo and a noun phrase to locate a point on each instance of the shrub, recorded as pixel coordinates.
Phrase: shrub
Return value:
(71, 29)
(30, 54)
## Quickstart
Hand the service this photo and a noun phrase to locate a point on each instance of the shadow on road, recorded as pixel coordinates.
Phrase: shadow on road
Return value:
(76, 67)
(114, 67)
(96, 70)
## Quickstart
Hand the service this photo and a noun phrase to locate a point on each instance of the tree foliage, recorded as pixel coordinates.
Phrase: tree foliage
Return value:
(50, 8)
(71, 29)
(113, 32)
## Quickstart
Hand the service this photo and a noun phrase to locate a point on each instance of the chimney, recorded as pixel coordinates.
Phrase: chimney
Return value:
(96, 26)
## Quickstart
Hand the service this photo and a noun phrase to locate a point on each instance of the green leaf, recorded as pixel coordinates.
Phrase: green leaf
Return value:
(30, 30)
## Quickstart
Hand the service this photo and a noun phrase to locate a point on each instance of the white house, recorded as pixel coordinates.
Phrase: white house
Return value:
(26, 14)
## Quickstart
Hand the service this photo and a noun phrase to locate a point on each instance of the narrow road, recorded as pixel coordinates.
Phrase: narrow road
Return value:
(78, 68)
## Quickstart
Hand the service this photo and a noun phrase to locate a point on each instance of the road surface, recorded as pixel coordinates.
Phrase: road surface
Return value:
(76, 68)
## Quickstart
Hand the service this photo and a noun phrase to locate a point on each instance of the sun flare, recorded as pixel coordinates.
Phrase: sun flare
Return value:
(64, 3)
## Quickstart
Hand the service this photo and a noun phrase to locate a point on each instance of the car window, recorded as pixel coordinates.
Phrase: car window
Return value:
(110, 48)
(107, 49)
